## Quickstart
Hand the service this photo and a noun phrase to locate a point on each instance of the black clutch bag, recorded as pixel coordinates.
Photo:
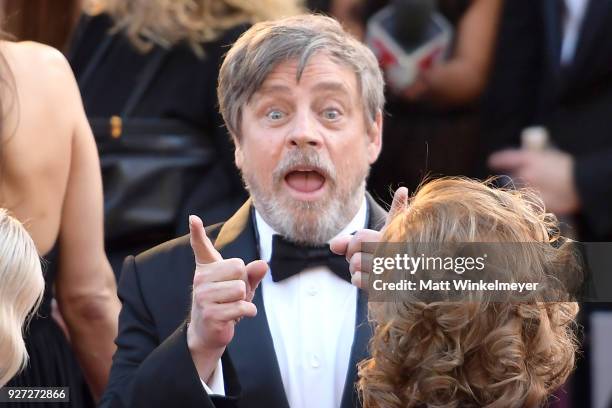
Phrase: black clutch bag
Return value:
(149, 166)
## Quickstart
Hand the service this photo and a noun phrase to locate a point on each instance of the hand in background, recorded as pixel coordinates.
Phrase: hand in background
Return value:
(418, 89)
(550, 172)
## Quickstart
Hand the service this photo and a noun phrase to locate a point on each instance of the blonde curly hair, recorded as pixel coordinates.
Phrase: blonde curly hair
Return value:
(460, 354)
(168, 22)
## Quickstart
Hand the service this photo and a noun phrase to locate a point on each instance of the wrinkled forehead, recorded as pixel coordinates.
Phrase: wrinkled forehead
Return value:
(320, 74)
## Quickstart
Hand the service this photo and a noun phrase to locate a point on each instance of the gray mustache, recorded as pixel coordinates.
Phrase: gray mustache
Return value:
(307, 158)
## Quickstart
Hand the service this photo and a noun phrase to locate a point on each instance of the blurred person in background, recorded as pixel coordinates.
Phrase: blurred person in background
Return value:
(50, 178)
(554, 69)
(147, 70)
(437, 120)
(480, 353)
(21, 291)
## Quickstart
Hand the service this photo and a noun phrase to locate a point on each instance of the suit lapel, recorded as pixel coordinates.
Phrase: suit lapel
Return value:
(363, 330)
(251, 350)
(236, 237)
(377, 216)
(359, 351)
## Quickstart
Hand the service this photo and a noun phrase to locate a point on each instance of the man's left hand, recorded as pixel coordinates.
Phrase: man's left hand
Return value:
(351, 245)
(550, 172)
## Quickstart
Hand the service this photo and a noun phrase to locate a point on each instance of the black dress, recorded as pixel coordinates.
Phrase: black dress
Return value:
(52, 362)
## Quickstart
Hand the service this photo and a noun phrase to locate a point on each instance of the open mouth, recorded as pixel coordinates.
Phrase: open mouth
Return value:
(305, 180)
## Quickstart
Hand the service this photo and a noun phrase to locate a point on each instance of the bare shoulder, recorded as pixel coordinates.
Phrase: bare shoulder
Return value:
(40, 102)
(39, 69)
(35, 57)
(44, 85)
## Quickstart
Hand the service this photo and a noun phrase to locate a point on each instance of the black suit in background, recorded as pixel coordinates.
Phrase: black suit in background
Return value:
(153, 367)
(530, 86)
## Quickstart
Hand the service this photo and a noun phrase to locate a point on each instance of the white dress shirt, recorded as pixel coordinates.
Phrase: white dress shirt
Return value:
(574, 15)
(216, 385)
(311, 317)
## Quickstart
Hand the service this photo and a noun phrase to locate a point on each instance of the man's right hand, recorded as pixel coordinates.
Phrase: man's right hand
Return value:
(222, 293)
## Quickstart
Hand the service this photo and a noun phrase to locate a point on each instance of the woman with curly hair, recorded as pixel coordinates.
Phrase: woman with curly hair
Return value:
(486, 353)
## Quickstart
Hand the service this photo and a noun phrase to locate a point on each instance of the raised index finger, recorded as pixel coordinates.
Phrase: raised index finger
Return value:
(399, 204)
(202, 247)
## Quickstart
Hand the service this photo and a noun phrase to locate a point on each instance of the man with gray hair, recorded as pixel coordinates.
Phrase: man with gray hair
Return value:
(257, 311)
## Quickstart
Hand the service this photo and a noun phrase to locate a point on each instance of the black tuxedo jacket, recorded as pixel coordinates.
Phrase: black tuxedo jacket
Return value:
(530, 86)
(153, 367)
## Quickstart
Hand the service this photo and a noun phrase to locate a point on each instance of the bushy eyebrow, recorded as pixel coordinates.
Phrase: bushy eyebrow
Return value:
(268, 90)
(272, 89)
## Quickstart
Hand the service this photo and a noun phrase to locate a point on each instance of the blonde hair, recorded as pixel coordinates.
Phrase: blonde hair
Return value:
(168, 22)
(21, 290)
(478, 354)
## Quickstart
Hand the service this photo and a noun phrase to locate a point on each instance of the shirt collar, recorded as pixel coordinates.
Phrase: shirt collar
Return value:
(265, 231)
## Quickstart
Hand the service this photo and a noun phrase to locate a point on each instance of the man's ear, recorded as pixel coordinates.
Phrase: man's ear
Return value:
(375, 138)
(238, 155)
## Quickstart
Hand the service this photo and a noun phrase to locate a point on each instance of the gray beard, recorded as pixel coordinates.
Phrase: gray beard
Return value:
(308, 223)
(303, 222)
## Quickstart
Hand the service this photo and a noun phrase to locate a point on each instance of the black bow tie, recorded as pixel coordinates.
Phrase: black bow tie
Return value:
(289, 259)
